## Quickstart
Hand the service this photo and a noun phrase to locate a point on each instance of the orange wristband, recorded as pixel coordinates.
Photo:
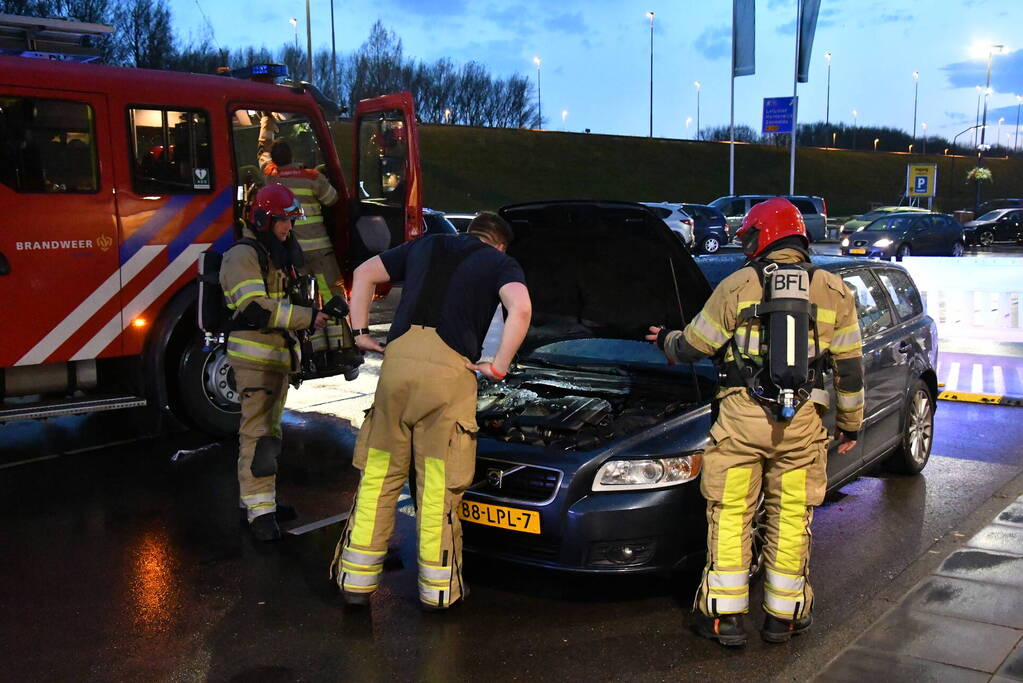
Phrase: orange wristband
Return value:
(496, 373)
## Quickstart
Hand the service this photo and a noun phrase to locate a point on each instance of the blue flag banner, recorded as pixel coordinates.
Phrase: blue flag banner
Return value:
(807, 29)
(743, 38)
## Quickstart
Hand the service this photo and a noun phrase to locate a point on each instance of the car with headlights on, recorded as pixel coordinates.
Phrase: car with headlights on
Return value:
(907, 234)
(589, 452)
(857, 222)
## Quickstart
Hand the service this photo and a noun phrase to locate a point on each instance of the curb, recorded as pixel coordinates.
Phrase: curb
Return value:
(990, 399)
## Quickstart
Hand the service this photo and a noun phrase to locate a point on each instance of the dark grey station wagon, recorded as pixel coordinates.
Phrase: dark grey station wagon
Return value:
(589, 452)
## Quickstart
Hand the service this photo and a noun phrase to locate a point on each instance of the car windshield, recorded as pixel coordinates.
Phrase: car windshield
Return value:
(617, 352)
(992, 215)
(892, 223)
(871, 215)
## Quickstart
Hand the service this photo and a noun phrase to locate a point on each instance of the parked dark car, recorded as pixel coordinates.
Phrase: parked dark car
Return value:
(461, 221)
(999, 225)
(590, 450)
(907, 234)
(1002, 203)
(710, 230)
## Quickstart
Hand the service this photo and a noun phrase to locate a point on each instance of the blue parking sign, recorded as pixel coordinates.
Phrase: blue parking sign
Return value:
(921, 184)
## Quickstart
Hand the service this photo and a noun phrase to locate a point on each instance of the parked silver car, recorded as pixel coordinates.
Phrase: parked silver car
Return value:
(814, 210)
(675, 217)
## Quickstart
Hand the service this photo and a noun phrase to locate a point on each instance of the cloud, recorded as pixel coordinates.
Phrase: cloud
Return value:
(1006, 72)
(432, 7)
(715, 42)
(568, 22)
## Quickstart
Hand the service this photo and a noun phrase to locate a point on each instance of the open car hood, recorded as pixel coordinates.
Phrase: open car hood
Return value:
(601, 269)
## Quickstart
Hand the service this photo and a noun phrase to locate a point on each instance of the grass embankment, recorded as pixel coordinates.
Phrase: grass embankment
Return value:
(468, 169)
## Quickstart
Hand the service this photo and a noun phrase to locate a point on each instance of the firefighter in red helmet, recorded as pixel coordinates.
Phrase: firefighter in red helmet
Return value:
(265, 353)
(778, 324)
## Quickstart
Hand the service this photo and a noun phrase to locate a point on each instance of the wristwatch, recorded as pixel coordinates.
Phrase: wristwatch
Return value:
(361, 331)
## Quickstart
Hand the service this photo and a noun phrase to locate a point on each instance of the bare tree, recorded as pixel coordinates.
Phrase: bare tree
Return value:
(144, 34)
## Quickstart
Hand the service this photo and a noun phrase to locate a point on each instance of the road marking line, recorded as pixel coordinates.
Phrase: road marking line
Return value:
(952, 381)
(999, 379)
(977, 380)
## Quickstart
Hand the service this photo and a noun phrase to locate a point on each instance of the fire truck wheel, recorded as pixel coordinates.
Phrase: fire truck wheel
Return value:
(206, 385)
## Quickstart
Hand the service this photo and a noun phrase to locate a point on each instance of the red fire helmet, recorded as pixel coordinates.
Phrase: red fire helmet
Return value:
(768, 222)
(273, 201)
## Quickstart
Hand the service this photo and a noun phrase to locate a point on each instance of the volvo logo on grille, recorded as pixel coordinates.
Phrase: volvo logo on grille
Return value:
(495, 477)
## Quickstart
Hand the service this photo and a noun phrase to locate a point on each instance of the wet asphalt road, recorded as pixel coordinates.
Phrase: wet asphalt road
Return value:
(118, 566)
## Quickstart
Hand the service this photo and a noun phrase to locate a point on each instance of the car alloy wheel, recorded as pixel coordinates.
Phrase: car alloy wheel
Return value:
(920, 427)
(957, 249)
(758, 533)
(710, 245)
(904, 251)
(985, 238)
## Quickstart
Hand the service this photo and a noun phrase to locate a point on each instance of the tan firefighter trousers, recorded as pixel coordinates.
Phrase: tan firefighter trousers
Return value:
(263, 393)
(322, 265)
(787, 463)
(425, 408)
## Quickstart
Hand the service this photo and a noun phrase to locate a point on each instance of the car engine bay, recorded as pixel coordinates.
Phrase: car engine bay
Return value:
(578, 409)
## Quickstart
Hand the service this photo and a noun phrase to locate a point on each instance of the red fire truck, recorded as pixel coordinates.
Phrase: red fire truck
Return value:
(113, 181)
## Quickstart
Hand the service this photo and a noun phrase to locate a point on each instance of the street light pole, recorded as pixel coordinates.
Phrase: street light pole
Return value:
(827, 105)
(333, 52)
(698, 88)
(983, 122)
(916, 92)
(1015, 144)
(539, 110)
(998, 136)
(923, 124)
(564, 115)
(309, 43)
(651, 16)
(294, 24)
(976, 123)
(855, 119)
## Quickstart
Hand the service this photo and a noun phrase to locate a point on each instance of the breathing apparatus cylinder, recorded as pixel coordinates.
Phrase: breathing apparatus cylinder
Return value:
(787, 333)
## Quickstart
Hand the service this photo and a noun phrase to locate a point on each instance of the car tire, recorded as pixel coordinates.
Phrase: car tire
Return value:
(985, 238)
(206, 386)
(710, 245)
(904, 251)
(917, 434)
(957, 249)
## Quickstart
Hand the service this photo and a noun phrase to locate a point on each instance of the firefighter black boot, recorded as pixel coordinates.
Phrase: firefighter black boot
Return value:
(727, 629)
(264, 528)
(777, 630)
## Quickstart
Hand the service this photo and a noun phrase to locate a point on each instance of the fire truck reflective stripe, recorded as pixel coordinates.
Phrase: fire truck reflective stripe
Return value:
(791, 526)
(315, 243)
(194, 230)
(88, 308)
(141, 302)
(141, 237)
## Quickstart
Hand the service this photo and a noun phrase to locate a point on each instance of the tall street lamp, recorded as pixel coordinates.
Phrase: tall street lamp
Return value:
(827, 101)
(539, 110)
(698, 89)
(689, 119)
(990, 49)
(447, 116)
(923, 124)
(916, 92)
(856, 115)
(976, 123)
(650, 15)
(1015, 144)
(876, 140)
(294, 24)
(564, 115)
(309, 42)
(998, 136)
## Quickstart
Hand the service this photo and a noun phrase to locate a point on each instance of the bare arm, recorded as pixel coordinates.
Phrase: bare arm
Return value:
(515, 298)
(367, 276)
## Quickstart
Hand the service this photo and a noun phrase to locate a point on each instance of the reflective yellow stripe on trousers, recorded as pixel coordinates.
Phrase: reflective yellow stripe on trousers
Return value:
(728, 591)
(434, 570)
(361, 567)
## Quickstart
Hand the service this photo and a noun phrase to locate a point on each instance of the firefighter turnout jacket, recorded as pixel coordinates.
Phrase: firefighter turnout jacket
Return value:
(837, 326)
(273, 346)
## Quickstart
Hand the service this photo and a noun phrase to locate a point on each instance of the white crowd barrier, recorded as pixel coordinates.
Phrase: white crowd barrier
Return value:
(972, 298)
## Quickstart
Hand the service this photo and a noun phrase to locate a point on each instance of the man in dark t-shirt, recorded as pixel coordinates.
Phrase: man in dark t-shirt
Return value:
(425, 403)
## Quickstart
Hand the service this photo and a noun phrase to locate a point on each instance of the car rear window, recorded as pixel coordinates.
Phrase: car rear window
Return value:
(903, 293)
(871, 306)
(805, 206)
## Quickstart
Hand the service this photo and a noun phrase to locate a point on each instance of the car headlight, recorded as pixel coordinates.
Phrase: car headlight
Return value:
(647, 473)
(883, 243)
(845, 242)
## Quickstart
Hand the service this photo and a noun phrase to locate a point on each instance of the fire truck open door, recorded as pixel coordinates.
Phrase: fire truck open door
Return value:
(388, 188)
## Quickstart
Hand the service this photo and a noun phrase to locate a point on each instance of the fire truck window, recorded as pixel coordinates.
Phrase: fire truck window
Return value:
(47, 145)
(292, 129)
(384, 152)
(170, 152)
